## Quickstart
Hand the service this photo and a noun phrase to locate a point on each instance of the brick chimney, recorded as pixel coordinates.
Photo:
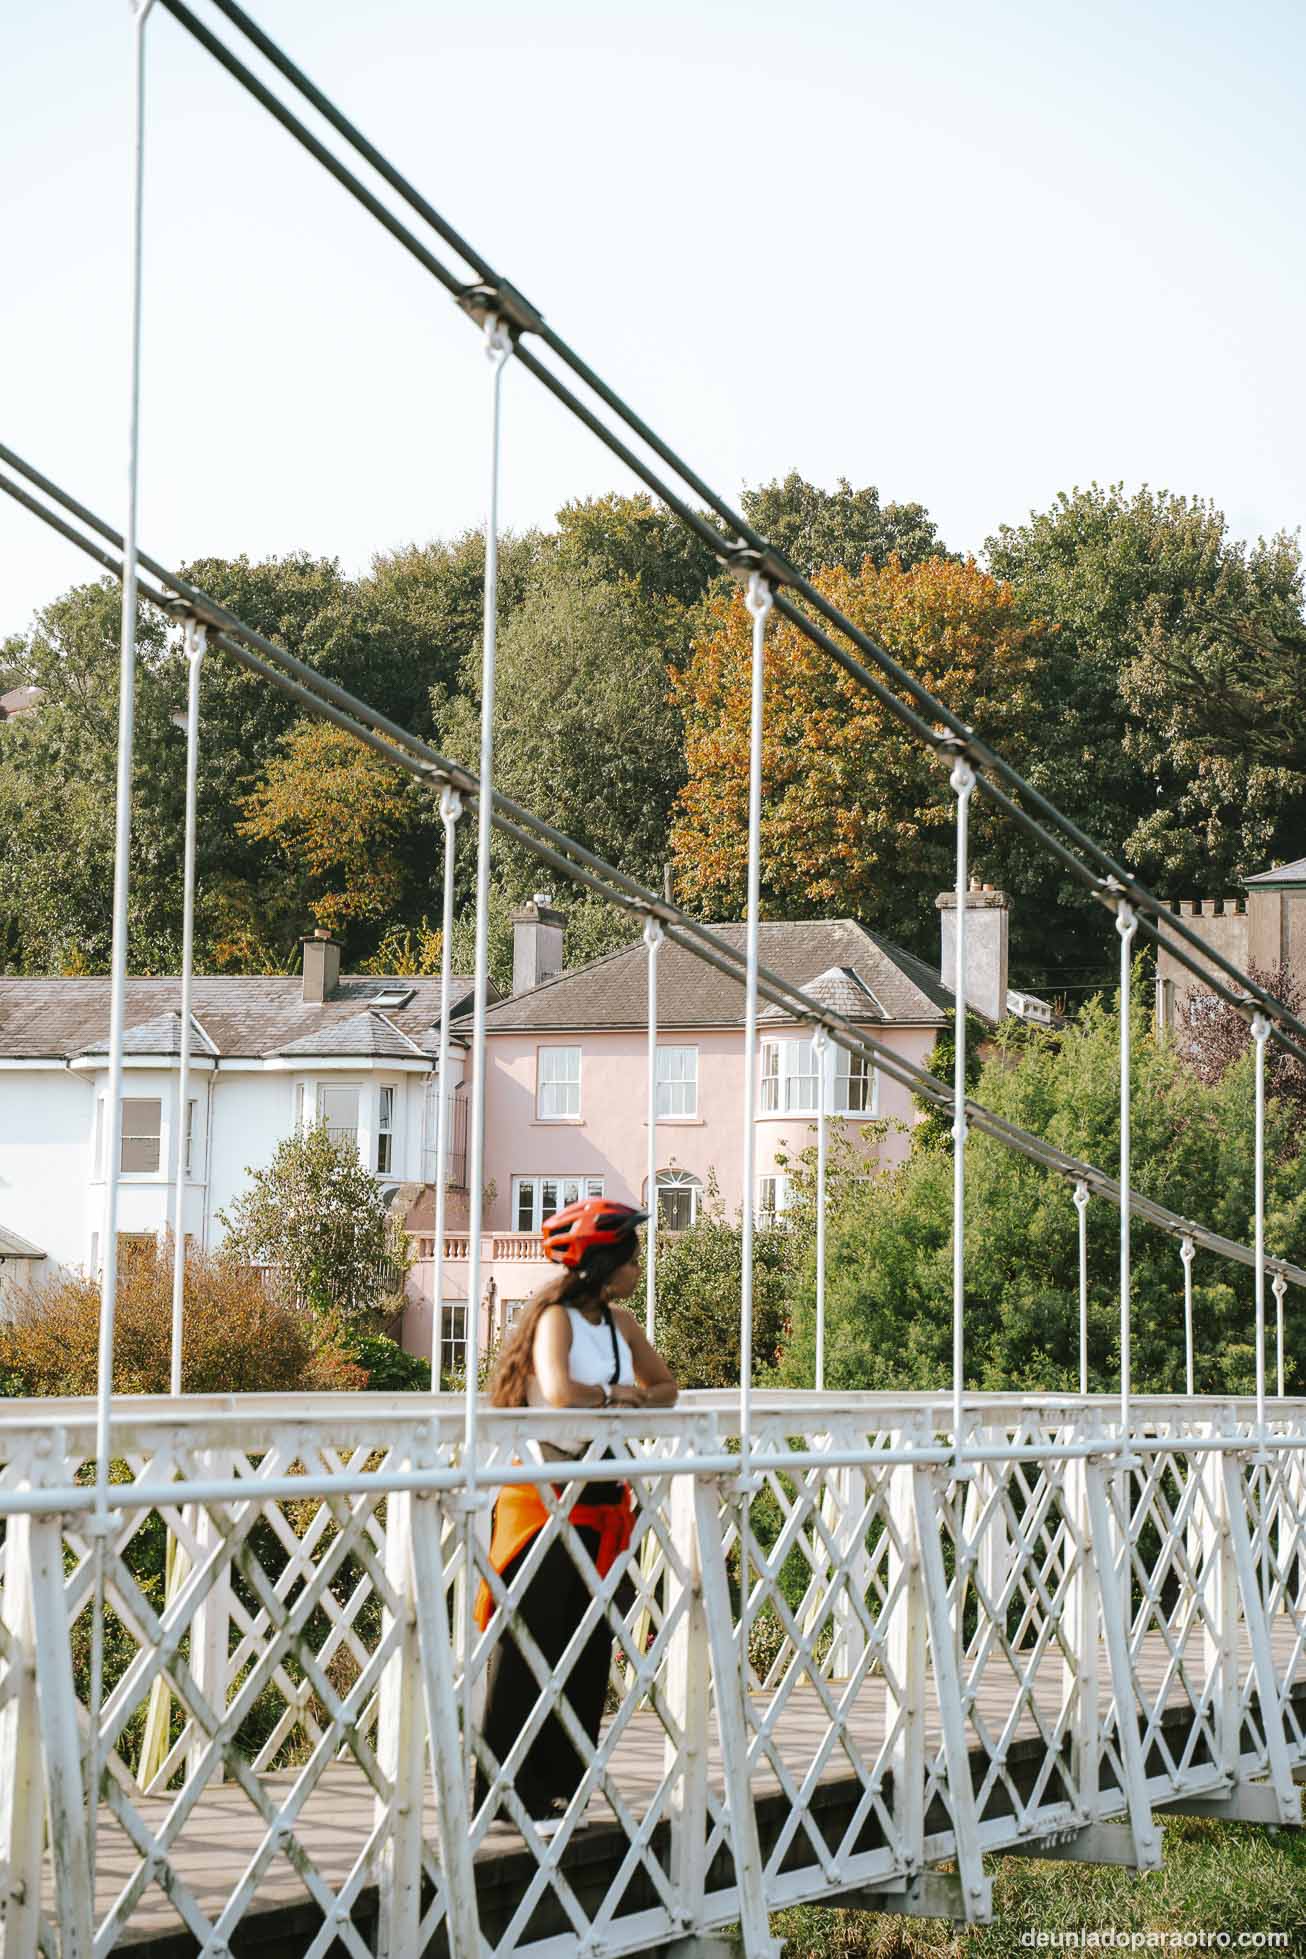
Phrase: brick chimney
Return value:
(536, 943)
(321, 966)
(988, 915)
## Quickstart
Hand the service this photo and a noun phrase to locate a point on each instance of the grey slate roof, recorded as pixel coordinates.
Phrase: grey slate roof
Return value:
(371, 1034)
(241, 1015)
(612, 992)
(162, 1035)
(12, 1246)
(841, 990)
(1294, 873)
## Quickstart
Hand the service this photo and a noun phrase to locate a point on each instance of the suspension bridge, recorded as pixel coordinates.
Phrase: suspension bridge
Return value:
(860, 1643)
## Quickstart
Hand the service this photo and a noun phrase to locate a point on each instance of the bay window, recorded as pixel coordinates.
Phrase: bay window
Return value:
(789, 1078)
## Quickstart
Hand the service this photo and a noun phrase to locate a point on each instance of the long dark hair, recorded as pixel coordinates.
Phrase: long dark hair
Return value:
(581, 1285)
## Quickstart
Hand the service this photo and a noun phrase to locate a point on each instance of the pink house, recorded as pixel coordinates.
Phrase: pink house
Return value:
(567, 1085)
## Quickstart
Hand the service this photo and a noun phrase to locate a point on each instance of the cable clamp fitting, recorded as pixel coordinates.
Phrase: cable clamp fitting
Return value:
(451, 804)
(748, 561)
(484, 303)
(758, 595)
(197, 636)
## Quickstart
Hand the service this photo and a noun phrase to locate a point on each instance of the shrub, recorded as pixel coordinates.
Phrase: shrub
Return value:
(698, 1281)
(240, 1336)
(318, 1215)
(390, 1370)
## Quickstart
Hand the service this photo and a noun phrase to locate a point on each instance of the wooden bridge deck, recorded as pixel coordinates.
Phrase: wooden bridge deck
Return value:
(224, 1831)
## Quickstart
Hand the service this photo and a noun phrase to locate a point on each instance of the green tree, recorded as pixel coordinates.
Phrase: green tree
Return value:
(57, 778)
(339, 816)
(585, 734)
(818, 529)
(889, 1240)
(699, 1273)
(1130, 587)
(857, 814)
(317, 1215)
(630, 540)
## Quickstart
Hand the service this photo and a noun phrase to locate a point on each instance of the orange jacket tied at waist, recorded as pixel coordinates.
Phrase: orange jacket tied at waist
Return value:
(520, 1513)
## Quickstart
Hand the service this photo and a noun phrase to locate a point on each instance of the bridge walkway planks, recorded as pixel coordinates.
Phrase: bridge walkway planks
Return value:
(224, 1831)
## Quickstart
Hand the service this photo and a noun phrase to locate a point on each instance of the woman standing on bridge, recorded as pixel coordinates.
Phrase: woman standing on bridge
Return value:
(571, 1348)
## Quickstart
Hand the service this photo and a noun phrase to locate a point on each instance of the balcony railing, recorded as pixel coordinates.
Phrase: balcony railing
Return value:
(519, 1247)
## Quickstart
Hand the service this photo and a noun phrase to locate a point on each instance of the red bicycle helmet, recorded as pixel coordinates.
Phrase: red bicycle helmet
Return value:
(578, 1228)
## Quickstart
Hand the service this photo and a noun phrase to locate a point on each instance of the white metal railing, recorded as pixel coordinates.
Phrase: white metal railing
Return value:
(1045, 1649)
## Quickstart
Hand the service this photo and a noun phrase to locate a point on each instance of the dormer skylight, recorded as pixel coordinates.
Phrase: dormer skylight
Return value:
(392, 996)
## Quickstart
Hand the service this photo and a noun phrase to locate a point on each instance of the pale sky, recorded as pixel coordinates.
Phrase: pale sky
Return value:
(970, 254)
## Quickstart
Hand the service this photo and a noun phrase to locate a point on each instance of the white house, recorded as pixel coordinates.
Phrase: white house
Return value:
(267, 1053)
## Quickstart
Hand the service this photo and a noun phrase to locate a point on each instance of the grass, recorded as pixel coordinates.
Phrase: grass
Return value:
(1216, 1877)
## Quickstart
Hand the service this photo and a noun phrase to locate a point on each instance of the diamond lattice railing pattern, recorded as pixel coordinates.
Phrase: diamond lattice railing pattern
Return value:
(857, 1661)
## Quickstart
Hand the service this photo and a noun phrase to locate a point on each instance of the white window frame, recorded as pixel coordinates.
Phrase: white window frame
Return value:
(453, 1335)
(867, 1079)
(779, 1194)
(192, 1109)
(789, 1079)
(384, 1140)
(323, 1088)
(557, 1094)
(677, 1083)
(536, 1180)
(137, 1135)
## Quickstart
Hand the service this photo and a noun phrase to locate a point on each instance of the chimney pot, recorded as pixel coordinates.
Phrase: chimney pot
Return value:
(988, 914)
(321, 966)
(536, 943)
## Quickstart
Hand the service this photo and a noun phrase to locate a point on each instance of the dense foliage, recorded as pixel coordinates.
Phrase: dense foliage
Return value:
(698, 1280)
(241, 1335)
(1140, 665)
(857, 816)
(889, 1239)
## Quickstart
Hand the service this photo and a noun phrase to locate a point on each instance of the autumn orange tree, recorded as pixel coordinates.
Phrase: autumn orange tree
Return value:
(342, 820)
(857, 814)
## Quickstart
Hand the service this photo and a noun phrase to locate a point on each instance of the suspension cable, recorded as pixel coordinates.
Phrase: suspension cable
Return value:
(498, 346)
(962, 781)
(451, 808)
(1126, 924)
(758, 597)
(653, 939)
(196, 642)
(100, 1523)
(1260, 1030)
(221, 617)
(494, 293)
(320, 696)
(820, 1051)
(1081, 1206)
(1188, 1252)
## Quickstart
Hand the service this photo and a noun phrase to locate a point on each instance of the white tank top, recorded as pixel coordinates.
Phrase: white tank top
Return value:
(591, 1353)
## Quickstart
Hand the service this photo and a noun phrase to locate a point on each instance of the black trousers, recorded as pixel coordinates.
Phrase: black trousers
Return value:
(552, 1607)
